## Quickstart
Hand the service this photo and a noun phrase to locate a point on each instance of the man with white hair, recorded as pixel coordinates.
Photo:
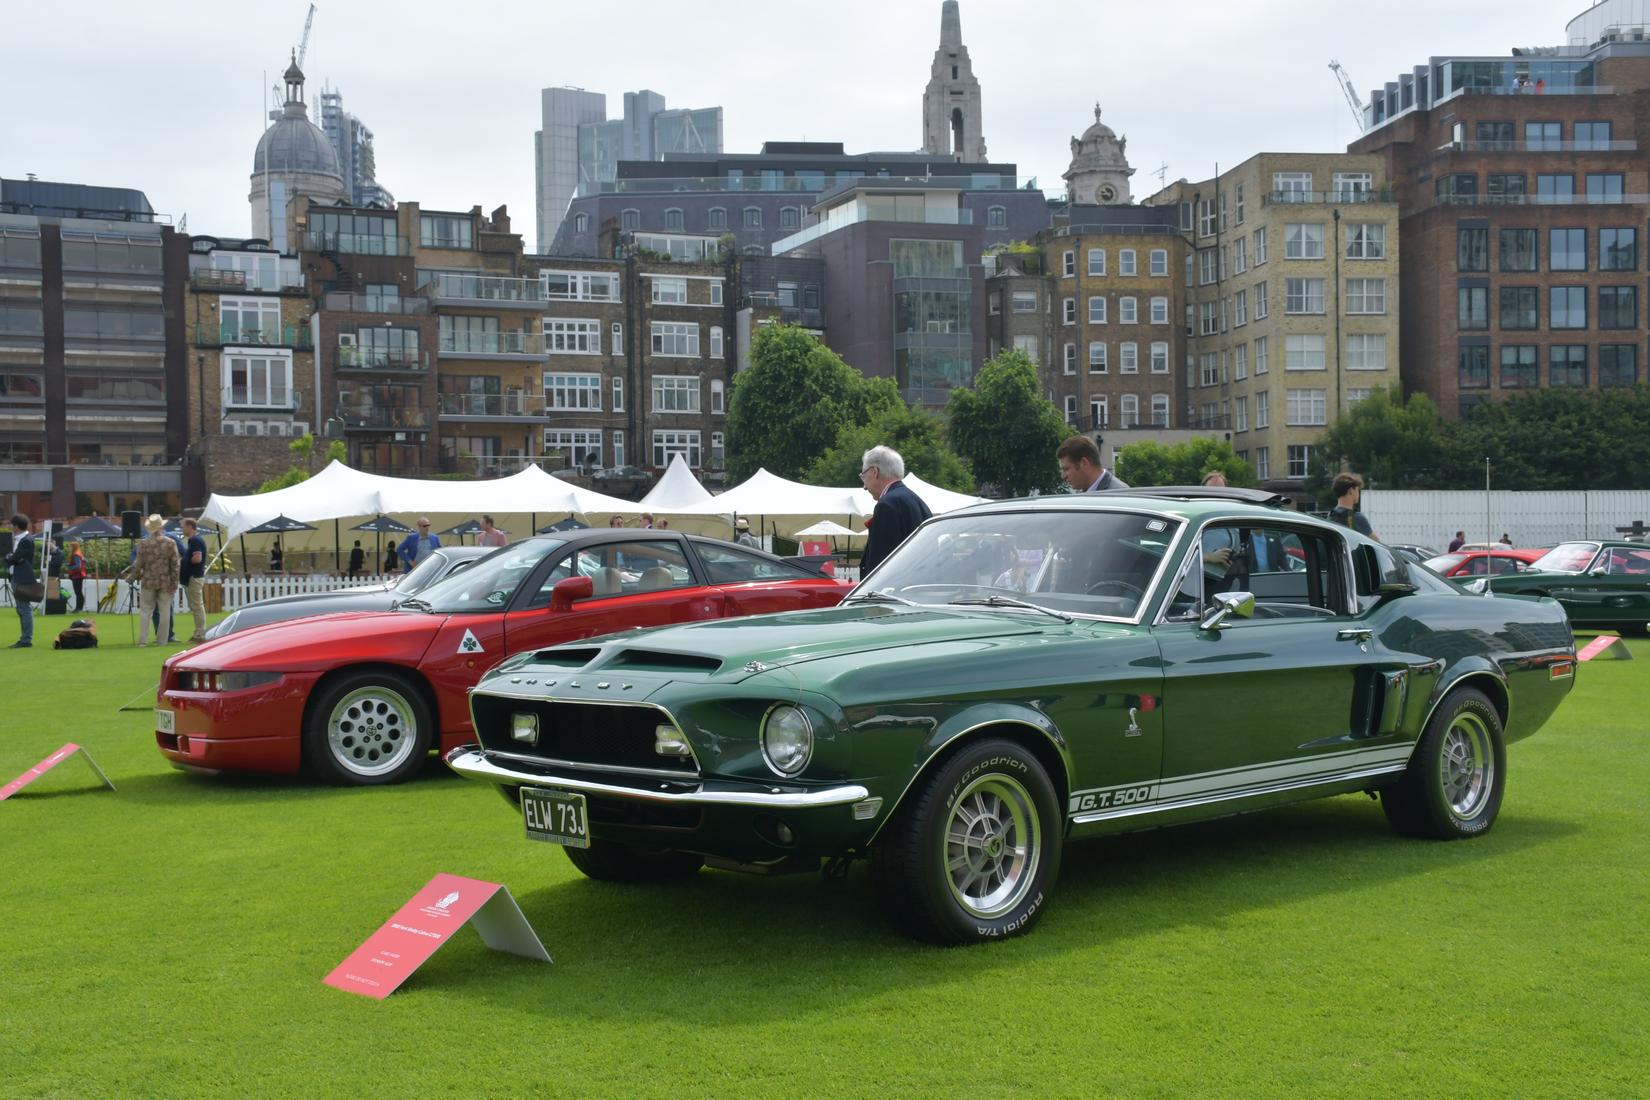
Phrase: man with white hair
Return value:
(899, 511)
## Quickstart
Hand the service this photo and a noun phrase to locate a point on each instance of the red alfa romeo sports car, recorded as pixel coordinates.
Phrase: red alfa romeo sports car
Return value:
(362, 698)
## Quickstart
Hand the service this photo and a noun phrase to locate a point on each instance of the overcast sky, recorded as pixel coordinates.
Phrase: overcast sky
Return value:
(168, 97)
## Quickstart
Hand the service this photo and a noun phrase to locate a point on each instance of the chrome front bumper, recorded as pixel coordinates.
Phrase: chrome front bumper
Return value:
(472, 763)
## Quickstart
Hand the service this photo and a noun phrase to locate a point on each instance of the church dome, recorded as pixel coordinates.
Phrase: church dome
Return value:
(1098, 132)
(295, 144)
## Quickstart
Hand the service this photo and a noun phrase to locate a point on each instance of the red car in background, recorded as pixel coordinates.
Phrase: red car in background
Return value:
(1492, 562)
(362, 698)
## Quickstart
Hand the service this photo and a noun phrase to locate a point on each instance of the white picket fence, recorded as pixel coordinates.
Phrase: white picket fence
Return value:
(1531, 519)
(240, 590)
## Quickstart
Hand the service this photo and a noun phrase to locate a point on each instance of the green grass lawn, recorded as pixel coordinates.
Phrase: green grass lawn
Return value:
(170, 940)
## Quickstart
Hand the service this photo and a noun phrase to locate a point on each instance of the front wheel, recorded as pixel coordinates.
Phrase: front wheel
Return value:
(368, 728)
(607, 862)
(1456, 776)
(975, 849)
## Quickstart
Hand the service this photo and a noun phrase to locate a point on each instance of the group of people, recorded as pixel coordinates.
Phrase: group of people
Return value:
(160, 566)
(1460, 540)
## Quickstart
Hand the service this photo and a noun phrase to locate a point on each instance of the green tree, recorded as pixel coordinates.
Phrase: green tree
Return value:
(792, 403)
(918, 436)
(1392, 443)
(304, 448)
(1148, 463)
(1005, 429)
(1554, 439)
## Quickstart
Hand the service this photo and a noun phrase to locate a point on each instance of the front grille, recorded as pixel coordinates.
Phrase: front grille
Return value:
(592, 734)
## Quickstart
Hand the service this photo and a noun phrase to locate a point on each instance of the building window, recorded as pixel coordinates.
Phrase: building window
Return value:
(1567, 365)
(1208, 266)
(1520, 307)
(1303, 295)
(1306, 408)
(1618, 250)
(1237, 193)
(1300, 459)
(1263, 409)
(1097, 261)
(1520, 369)
(240, 321)
(1567, 250)
(1070, 359)
(249, 381)
(1025, 301)
(1186, 217)
(1068, 311)
(1128, 358)
(996, 217)
(1605, 187)
(1366, 295)
(1240, 362)
(673, 219)
(618, 395)
(581, 223)
(717, 218)
(1128, 411)
(618, 448)
(716, 292)
(789, 217)
(573, 337)
(1303, 351)
(1592, 135)
(1240, 415)
(752, 217)
(718, 397)
(576, 448)
(1190, 263)
(718, 451)
(674, 339)
(1100, 412)
(579, 286)
(1473, 367)
(1261, 307)
(1472, 250)
(1208, 369)
(1160, 357)
(1126, 262)
(573, 392)
(1160, 262)
(715, 342)
(1303, 241)
(443, 231)
(1068, 264)
(1262, 347)
(1506, 187)
(1160, 311)
(1366, 241)
(1097, 310)
(1128, 311)
(1205, 218)
(1071, 408)
(1260, 246)
(1240, 309)
(1027, 345)
(1558, 188)
(1160, 410)
(1567, 307)
(669, 292)
(1240, 255)
(1472, 307)
(1618, 306)
(667, 445)
(1366, 351)
(1263, 463)
(630, 219)
(1617, 365)
(1097, 357)
(675, 393)
(618, 339)
(1518, 250)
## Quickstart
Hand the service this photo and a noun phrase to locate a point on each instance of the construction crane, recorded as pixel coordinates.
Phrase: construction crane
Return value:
(1352, 99)
(297, 59)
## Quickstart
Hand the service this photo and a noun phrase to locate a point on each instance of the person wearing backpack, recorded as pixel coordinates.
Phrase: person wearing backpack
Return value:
(77, 575)
(1347, 489)
(25, 582)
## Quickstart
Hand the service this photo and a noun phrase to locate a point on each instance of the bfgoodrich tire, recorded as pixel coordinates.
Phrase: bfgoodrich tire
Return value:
(618, 863)
(1453, 786)
(368, 728)
(974, 850)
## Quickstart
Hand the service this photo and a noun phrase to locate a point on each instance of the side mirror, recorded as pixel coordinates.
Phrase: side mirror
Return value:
(1600, 571)
(1240, 604)
(569, 589)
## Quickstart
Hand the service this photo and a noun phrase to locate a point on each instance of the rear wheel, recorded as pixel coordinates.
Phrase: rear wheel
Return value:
(972, 853)
(1453, 786)
(619, 863)
(368, 728)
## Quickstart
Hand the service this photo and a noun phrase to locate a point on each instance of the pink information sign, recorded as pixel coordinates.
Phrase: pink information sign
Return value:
(419, 928)
(1606, 645)
(47, 765)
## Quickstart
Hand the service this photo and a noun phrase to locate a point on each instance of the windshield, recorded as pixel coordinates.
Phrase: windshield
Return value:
(1443, 563)
(1567, 557)
(1088, 563)
(424, 574)
(489, 584)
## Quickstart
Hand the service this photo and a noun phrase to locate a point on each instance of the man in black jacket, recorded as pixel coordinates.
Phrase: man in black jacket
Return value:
(899, 511)
(20, 571)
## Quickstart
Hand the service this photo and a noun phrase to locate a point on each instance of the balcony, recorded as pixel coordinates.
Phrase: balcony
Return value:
(284, 336)
(1541, 147)
(790, 314)
(1344, 195)
(339, 302)
(356, 244)
(1542, 200)
(383, 418)
(240, 282)
(463, 289)
(239, 399)
(492, 345)
(508, 407)
(387, 359)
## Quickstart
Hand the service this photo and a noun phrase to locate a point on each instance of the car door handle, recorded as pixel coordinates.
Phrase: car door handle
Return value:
(1355, 634)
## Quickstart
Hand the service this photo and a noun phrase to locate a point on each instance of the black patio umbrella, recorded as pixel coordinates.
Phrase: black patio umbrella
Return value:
(174, 526)
(94, 528)
(464, 530)
(277, 526)
(568, 524)
(381, 525)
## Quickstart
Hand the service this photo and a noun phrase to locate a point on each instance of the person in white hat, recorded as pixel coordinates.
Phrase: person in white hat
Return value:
(742, 533)
(155, 568)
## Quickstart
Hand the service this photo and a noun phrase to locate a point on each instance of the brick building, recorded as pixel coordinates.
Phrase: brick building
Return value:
(1523, 194)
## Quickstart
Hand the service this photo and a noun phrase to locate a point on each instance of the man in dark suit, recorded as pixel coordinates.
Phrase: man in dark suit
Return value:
(1080, 468)
(899, 511)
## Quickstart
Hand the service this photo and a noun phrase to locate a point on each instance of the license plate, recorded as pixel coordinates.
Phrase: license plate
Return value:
(559, 817)
(165, 721)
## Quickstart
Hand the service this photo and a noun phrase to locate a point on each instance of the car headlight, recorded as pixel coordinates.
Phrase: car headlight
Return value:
(224, 681)
(787, 739)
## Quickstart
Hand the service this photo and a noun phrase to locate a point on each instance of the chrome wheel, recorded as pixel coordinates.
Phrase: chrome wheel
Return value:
(1467, 764)
(372, 730)
(992, 842)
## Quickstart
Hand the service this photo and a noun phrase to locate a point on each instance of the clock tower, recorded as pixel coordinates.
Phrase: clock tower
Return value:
(1099, 172)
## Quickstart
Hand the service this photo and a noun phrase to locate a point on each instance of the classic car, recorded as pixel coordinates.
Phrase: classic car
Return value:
(437, 565)
(1600, 583)
(1016, 675)
(362, 697)
(1479, 563)
(1412, 551)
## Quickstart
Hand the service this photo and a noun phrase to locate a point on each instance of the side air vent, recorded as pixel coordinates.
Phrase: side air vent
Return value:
(565, 658)
(653, 661)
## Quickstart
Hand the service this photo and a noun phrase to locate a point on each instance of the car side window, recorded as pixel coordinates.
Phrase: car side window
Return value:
(1477, 567)
(1291, 573)
(732, 565)
(1623, 560)
(624, 568)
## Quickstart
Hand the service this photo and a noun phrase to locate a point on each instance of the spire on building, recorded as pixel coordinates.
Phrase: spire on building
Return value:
(951, 123)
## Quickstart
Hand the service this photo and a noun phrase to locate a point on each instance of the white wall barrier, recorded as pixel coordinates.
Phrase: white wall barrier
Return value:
(1431, 517)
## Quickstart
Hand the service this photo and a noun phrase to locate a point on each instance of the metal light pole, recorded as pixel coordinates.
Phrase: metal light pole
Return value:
(1488, 538)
